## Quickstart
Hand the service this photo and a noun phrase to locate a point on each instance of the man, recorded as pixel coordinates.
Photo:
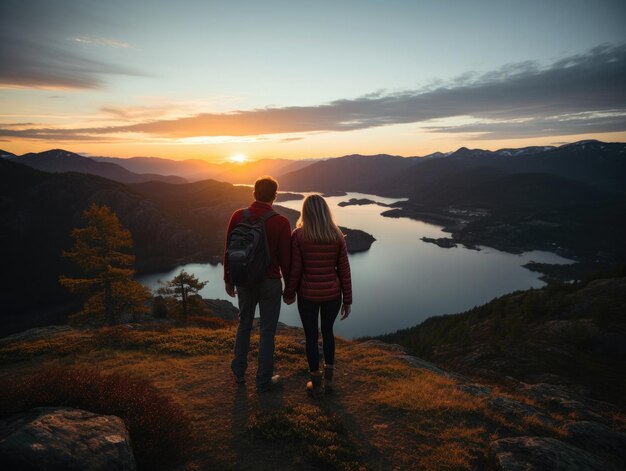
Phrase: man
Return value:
(266, 293)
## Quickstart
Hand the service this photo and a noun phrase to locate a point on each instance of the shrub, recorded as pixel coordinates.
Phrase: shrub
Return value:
(208, 322)
(159, 429)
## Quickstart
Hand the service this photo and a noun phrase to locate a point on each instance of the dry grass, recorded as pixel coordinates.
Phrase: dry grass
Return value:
(386, 414)
(321, 434)
(74, 342)
(426, 391)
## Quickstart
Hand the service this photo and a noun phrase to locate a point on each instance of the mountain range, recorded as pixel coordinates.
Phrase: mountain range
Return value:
(59, 160)
(596, 163)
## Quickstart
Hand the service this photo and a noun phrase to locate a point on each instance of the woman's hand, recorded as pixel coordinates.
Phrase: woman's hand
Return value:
(345, 310)
(288, 301)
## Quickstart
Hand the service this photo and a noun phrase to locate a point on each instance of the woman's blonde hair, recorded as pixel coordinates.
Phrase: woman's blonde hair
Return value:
(317, 222)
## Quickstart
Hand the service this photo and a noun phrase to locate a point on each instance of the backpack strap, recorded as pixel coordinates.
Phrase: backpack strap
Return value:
(263, 219)
(268, 215)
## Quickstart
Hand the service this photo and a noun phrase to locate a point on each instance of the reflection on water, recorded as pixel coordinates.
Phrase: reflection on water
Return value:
(401, 280)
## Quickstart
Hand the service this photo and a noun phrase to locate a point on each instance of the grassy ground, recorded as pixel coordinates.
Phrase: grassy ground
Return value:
(385, 413)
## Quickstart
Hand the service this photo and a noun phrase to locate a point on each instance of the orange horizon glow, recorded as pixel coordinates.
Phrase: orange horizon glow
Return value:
(403, 142)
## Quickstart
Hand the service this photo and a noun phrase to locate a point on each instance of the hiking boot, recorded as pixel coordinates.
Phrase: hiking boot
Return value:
(314, 386)
(275, 383)
(328, 378)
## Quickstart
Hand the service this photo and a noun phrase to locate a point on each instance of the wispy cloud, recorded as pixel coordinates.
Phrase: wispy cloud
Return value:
(576, 93)
(35, 51)
(101, 41)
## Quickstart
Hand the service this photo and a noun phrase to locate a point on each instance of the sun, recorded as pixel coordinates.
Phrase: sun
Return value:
(238, 158)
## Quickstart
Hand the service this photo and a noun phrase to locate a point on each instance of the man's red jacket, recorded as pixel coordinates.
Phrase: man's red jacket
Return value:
(278, 232)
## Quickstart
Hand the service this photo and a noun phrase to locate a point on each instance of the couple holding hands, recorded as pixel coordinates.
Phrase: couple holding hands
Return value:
(313, 260)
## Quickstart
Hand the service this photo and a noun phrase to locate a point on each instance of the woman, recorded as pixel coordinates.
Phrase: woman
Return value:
(320, 274)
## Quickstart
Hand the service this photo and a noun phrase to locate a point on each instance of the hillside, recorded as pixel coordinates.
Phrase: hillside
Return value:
(390, 410)
(59, 160)
(39, 210)
(365, 173)
(570, 334)
(523, 212)
(598, 164)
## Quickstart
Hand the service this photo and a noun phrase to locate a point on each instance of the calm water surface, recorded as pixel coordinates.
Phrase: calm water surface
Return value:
(401, 280)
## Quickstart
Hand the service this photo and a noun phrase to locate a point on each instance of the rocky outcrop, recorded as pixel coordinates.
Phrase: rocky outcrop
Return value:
(542, 454)
(598, 438)
(36, 333)
(222, 308)
(65, 439)
(357, 240)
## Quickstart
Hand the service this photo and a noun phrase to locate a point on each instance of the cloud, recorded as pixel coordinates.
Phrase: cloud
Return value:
(571, 94)
(36, 53)
(568, 124)
(102, 41)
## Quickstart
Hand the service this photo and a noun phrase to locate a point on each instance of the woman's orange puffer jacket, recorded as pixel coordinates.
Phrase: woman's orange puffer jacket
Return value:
(319, 272)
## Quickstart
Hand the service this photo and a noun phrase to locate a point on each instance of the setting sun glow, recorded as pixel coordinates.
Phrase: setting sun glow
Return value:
(238, 158)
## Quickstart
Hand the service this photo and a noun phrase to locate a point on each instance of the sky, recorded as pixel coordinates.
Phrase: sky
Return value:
(296, 79)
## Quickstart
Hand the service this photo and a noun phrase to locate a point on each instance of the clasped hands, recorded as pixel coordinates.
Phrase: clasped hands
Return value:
(288, 301)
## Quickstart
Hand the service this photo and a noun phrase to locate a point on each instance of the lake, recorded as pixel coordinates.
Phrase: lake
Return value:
(401, 280)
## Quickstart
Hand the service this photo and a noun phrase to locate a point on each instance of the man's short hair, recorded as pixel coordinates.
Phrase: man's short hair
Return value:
(265, 189)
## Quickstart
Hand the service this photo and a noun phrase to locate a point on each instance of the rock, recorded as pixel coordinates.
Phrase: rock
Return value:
(37, 332)
(475, 389)
(565, 400)
(357, 240)
(598, 438)
(542, 454)
(375, 343)
(510, 407)
(65, 439)
(222, 308)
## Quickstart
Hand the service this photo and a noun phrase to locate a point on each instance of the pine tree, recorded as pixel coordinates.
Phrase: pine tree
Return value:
(100, 251)
(181, 287)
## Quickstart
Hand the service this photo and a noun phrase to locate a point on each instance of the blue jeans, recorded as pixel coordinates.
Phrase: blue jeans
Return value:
(268, 295)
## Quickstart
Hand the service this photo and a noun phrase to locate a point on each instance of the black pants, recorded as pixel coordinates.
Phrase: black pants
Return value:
(309, 313)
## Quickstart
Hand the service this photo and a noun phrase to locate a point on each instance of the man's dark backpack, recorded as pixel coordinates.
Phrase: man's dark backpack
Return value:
(248, 252)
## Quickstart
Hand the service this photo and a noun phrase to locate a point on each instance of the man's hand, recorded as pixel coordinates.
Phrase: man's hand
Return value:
(230, 289)
(345, 310)
(288, 301)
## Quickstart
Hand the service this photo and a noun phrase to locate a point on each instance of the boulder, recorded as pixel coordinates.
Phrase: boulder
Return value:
(566, 399)
(37, 333)
(222, 308)
(542, 454)
(54, 438)
(598, 438)
(511, 407)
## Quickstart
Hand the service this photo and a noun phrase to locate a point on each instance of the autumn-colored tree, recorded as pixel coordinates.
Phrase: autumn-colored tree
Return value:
(181, 287)
(100, 250)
